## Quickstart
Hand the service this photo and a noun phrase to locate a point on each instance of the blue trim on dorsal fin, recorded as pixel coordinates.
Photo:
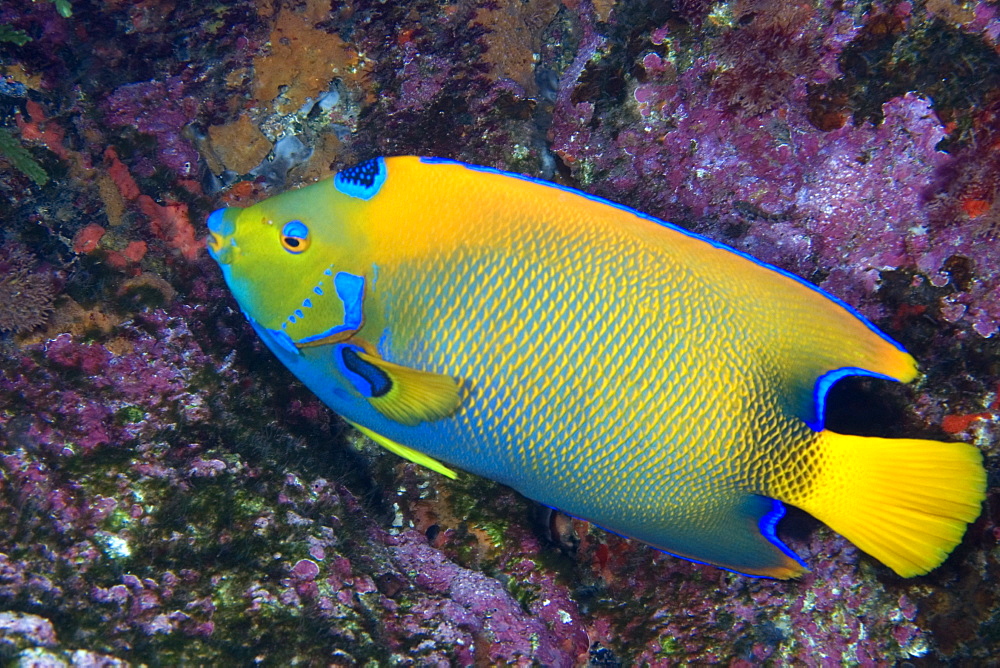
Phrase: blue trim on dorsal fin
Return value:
(716, 244)
(822, 387)
(363, 180)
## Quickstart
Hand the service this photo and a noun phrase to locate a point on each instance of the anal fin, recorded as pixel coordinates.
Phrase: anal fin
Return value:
(735, 531)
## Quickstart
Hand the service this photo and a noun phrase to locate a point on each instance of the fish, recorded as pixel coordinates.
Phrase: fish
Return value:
(602, 362)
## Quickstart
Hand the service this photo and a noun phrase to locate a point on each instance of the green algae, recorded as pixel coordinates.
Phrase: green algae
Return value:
(130, 415)
(525, 593)
(14, 36)
(21, 159)
(64, 7)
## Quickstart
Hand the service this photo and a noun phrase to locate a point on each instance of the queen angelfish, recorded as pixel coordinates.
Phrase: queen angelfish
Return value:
(602, 362)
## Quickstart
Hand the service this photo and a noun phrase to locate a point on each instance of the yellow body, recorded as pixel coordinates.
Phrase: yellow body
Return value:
(663, 386)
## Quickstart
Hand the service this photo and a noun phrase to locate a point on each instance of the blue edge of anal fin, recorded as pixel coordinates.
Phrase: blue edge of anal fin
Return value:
(768, 528)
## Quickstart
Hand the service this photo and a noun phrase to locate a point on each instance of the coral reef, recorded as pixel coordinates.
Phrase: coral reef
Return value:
(158, 109)
(170, 495)
(26, 293)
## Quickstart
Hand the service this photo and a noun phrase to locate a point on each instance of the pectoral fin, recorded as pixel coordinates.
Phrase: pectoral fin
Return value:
(406, 395)
(407, 453)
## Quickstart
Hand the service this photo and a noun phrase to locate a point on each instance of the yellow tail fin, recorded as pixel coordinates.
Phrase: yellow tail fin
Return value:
(906, 502)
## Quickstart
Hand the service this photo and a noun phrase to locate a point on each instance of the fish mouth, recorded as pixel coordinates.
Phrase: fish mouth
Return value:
(217, 248)
(214, 242)
(220, 229)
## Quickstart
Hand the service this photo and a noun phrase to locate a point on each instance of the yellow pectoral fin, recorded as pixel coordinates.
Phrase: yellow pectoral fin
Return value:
(406, 453)
(406, 395)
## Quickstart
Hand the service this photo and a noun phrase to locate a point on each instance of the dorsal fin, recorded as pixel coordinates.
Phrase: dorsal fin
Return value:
(807, 339)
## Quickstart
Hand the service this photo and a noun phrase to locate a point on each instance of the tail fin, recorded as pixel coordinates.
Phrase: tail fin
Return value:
(906, 502)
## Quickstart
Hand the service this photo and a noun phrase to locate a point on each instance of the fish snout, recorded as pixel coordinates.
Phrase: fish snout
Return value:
(221, 226)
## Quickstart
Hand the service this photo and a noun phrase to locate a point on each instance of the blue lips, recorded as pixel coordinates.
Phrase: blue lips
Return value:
(220, 227)
(219, 224)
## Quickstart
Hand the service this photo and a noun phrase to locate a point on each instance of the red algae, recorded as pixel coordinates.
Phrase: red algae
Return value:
(38, 128)
(86, 240)
(172, 223)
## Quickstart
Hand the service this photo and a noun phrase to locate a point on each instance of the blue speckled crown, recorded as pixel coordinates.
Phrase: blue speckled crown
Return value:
(362, 180)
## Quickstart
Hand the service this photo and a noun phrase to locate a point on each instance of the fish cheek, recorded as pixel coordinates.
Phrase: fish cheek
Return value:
(332, 313)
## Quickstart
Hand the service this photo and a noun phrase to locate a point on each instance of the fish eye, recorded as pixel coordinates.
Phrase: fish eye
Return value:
(295, 237)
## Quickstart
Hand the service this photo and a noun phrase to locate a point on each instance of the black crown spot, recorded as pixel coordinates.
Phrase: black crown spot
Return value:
(363, 174)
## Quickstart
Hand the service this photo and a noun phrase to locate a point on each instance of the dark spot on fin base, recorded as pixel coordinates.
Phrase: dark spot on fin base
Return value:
(367, 378)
